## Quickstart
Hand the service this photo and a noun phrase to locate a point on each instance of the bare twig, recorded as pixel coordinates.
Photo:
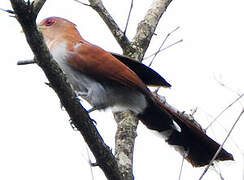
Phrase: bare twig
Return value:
(218, 171)
(225, 86)
(98, 6)
(162, 45)
(88, 159)
(7, 10)
(25, 62)
(164, 48)
(221, 146)
(159, 50)
(128, 18)
(90, 163)
(85, 4)
(215, 119)
(182, 163)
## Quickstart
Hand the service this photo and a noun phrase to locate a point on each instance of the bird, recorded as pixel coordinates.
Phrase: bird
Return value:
(109, 80)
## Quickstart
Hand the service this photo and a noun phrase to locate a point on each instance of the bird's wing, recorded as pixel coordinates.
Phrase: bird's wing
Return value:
(146, 74)
(96, 62)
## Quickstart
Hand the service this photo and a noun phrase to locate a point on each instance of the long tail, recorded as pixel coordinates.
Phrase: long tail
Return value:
(190, 139)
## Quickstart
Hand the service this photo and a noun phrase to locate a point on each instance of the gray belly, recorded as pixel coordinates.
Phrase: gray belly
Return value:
(102, 95)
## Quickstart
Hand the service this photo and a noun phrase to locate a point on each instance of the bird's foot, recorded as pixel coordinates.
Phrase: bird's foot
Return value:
(92, 109)
(72, 125)
(94, 164)
(93, 121)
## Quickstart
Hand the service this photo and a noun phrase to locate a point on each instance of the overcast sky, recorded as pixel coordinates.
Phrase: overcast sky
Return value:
(37, 141)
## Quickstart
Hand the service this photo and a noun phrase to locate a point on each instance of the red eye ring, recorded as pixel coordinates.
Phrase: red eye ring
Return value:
(49, 22)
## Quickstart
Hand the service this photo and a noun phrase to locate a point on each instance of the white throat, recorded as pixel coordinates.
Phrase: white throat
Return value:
(60, 53)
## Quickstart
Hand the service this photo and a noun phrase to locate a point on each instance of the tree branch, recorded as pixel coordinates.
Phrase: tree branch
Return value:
(38, 5)
(25, 62)
(126, 121)
(125, 141)
(26, 15)
(119, 35)
(147, 27)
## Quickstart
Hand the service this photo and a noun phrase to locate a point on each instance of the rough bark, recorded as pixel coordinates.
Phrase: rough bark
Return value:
(125, 141)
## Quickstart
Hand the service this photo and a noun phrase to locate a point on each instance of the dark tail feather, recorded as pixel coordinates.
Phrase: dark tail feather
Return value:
(193, 141)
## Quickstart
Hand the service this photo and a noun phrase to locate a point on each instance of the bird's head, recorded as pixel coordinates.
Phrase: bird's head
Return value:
(56, 28)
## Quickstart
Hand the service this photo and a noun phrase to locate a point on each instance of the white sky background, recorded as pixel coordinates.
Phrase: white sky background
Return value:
(37, 141)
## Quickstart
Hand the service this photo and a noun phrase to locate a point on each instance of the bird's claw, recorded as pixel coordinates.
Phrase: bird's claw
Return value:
(91, 110)
(93, 121)
(72, 125)
(48, 84)
(94, 164)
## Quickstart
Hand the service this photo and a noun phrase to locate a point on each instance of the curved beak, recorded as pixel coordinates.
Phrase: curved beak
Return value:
(41, 27)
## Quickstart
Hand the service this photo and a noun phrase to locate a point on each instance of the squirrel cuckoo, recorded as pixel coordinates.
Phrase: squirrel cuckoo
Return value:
(110, 80)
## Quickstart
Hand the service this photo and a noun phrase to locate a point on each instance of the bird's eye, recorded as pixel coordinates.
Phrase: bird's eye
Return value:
(49, 22)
